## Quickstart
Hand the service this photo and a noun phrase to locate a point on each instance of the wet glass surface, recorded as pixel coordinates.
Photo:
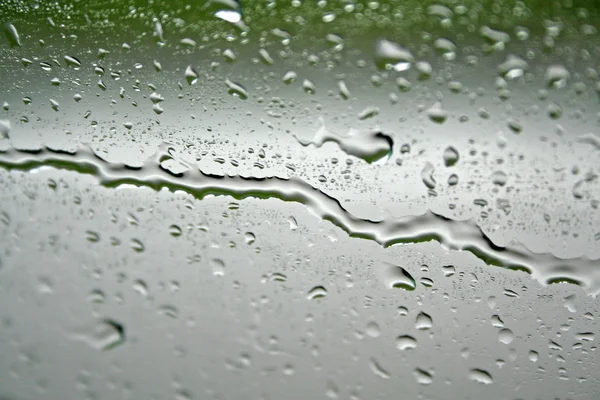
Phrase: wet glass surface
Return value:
(289, 200)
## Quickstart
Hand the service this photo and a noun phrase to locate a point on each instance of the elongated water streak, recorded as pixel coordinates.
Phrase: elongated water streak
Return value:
(454, 235)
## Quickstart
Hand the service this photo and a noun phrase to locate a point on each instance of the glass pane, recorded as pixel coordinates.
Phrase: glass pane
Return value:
(297, 199)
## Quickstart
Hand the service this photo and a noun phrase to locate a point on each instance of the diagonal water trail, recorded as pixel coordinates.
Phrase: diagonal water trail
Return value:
(454, 235)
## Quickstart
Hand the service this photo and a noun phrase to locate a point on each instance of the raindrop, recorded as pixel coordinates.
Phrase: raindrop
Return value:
(12, 35)
(427, 175)
(557, 76)
(505, 336)
(534, 356)
(423, 377)
(497, 321)
(140, 287)
(378, 369)
(499, 178)
(391, 55)
(72, 62)
(103, 335)
(309, 87)
(249, 238)
(191, 76)
(395, 276)
(218, 267)
(423, 321)
(289, 77)
(92, 236)
(316, 292)
(448, 270)
(406, 342)
(437, 114)
(481, 376)
(137, 246)
(451, 156)
(236, 89)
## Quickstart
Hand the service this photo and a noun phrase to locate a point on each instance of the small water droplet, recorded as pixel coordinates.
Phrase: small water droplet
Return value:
(423, 377)
(139, 286)
(373, 329)
(505, 336)
(406, 342)
(103, 335)
(437, 114)
(451, 156)
(481, 376)
(423, 321)
(316, 292)
(12, 35)
(249, 238)
(137, 246)
(191, 76)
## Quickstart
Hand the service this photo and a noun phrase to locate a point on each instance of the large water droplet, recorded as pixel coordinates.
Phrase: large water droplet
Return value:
(481, 376)
(391, 55)
(451, 156)
(12, 35)
(505, 336)
(103, 335)
(395, 276)
(406, 342)
(370, 146)
(316, 292)
(423, 377)
(423, 321)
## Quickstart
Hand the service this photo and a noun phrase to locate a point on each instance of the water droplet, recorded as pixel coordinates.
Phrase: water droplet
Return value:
(368, 112)
(585, 336)
(448, 270)
(96, 296)
(423, 321)
(54, 104)
(289, 77)
(191, 76)
(395, 276)
(103, 335)
(446, 47)
(437, 114)
(427, 175)
(451, 156)
(403, 84)
(557, 76)
(236, 89)
(72, 62)
(218, 267)
(497, 321)
(534, 356)
(370, 146)
(403, 311)
(505, 336)
(406, 342)
(137, 246)
(12, 35)
(343, 89)
(373, 329)
(92, 236)
(174, 230)
(169, 311)
(391, 55)
(309, 87)
(249, 238)
(499, 178)
(316, 292)
(481, 376)
(139, 286)
(378, 369)
(423, 377)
